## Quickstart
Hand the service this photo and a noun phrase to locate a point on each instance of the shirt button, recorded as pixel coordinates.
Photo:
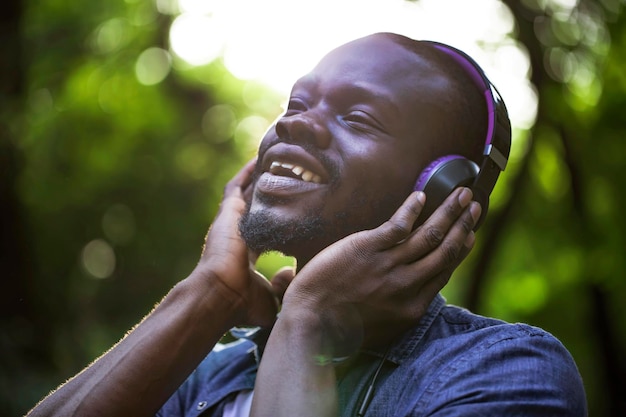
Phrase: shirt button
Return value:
(201, 405)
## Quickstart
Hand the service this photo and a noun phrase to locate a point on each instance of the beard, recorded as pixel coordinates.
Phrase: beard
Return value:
(265, 232)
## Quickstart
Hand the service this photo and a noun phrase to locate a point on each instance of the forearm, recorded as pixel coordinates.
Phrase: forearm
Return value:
(139, 374)
(296, 376)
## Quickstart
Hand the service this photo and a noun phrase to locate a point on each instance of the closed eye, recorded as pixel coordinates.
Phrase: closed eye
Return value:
(294, 106)
(361, 120)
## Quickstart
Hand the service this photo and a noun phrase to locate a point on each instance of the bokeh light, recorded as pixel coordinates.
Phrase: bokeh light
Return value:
(152, 66)
(98, 259)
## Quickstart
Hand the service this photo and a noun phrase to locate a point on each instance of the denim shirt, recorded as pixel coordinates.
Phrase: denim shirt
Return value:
(453, 363)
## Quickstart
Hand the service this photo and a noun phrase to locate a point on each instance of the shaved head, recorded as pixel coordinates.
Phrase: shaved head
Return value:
(464, 129)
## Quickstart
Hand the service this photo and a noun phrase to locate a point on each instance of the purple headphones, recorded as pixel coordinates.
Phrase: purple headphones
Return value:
(445, 174)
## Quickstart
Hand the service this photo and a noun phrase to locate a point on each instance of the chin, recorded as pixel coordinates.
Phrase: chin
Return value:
(266, 232)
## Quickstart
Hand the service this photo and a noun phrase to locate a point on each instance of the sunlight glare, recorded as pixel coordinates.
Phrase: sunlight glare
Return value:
(196, 38)
(197, 6)
(277, 41)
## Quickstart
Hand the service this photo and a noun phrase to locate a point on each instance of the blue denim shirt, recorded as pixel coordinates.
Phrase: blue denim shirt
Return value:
(453, 363)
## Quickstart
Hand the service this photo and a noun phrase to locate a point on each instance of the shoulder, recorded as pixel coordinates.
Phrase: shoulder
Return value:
(490, 367)
(456, 323)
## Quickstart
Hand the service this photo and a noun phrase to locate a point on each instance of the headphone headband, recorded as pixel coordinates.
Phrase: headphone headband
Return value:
(498, 138)
(448, 172)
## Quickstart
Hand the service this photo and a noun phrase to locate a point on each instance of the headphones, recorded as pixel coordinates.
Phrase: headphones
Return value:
(445, 174)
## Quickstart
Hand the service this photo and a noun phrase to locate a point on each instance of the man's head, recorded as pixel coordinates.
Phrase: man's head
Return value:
(358, 130)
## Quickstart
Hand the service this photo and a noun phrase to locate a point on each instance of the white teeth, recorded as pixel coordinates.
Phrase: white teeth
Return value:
(307, 176)
(304, 174)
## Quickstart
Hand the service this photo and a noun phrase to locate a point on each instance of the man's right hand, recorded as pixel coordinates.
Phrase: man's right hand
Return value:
(228, 266)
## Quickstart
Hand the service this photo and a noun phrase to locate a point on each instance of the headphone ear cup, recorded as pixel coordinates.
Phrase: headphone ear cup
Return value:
(441, 177)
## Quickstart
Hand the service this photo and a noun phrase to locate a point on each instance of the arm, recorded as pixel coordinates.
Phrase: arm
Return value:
(368, 287)
(136, 376)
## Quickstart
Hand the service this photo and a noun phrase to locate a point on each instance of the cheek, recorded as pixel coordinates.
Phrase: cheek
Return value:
(379, 190)
(395, 175)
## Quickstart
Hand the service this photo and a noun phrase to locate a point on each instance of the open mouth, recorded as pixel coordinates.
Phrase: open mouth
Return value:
(286, 169)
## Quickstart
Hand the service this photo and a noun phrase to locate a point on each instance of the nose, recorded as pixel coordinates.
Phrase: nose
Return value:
(303, 127)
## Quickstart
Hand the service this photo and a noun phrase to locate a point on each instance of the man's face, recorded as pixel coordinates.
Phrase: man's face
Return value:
(347, 151)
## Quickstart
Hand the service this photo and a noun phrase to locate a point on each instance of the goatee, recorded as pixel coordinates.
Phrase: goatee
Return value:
(264, 232)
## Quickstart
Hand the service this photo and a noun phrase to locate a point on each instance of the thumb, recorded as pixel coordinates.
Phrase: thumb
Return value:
(281, 280)
(402, 223)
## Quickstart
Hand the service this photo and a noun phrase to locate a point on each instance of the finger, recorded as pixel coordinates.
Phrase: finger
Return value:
(242, 179)
(281, 280)
(253, 256)
(435, 285)
(439, 270)
(400, 225)
(264, 304)
(234, 189)
(224, 227)
(247, 193)
(247, 185)
(432, 233)
(455, 245)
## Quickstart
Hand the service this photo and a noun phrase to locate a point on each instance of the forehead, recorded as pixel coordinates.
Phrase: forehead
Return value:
(376, 55)
(377, 67)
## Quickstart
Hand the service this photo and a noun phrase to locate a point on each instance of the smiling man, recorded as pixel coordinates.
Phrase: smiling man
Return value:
(357, 132)
(362, 329)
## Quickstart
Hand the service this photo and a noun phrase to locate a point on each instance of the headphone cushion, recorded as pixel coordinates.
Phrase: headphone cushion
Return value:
(441, 177)
(431, 169)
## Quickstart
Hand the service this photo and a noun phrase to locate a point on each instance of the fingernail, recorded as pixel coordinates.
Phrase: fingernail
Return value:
(475, 210)
(470, 239)
(465, 197)
(421, 197)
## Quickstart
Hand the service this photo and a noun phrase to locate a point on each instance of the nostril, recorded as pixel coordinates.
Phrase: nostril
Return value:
(281, 130)
(293, 128)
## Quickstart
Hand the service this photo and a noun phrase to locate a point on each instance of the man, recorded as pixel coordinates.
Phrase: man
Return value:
(361, 329)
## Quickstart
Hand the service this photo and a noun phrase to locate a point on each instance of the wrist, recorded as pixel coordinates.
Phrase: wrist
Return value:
(334, 334)
(212, 297)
